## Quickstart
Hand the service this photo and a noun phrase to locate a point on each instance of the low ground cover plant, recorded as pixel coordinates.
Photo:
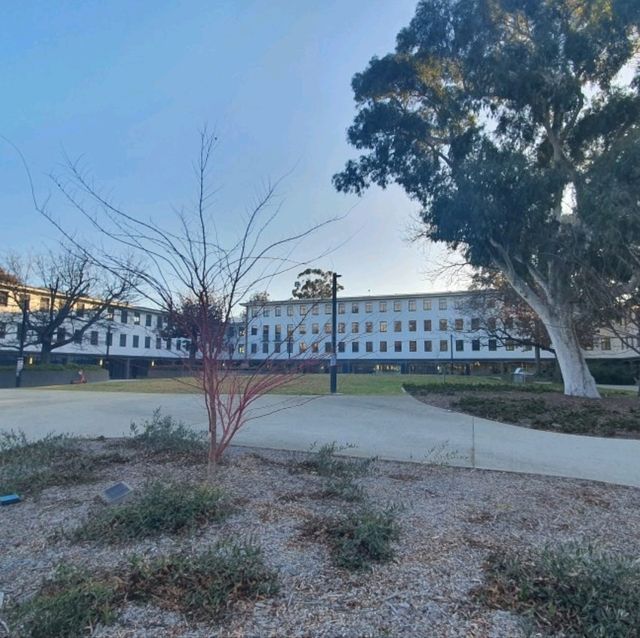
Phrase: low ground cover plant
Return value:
(359, 538)
(202, 586)
(28, 467)
(325, 462)
(159, 508)
(453, 386)
(569, 590)
(205, 585)
(162, 434)
(540, 414)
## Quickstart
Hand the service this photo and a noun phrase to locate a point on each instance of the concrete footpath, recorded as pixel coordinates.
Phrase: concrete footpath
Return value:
(390, 427)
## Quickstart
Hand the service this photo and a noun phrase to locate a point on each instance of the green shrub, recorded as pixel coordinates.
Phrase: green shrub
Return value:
(165, 435)
(569, 590)
(344, 488)
(202, 585)
(159, 509)
(455, 387)
(31, 466)
(66, 606)
(511, 410)
(324, 462)
(358, 538)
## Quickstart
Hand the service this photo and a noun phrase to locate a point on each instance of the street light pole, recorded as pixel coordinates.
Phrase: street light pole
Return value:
(334, 324)
(24, 305)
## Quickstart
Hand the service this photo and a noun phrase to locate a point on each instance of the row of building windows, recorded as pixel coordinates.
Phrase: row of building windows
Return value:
(383, 306)
(383, 346)
(383, 326)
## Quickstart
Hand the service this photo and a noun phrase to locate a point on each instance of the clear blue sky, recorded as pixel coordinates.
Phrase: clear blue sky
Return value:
(126, 85)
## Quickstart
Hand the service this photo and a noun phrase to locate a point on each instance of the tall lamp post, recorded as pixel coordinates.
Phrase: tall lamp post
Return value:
(24, 306)
(334, 324)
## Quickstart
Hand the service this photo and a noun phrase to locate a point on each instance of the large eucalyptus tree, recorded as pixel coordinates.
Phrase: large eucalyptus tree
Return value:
(503, 119)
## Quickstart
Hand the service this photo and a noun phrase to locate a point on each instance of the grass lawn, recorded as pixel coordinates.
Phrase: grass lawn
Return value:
(310, 384)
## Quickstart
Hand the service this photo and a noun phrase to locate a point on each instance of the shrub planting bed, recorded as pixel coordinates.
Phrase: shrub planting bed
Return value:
(537, 406)
(273, 548)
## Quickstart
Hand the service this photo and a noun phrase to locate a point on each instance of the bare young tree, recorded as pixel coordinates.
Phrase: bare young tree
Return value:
(60, 295)
(191, 261)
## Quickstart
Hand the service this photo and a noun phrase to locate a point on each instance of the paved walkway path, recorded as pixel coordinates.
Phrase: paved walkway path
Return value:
(391, 427)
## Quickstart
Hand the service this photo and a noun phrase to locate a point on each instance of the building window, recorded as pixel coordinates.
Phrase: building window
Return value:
(341, 346)
(303, 311)
(355, 327)
(265, 348)
(124, 316)
(368, 326)
(605, 343)
(93, 338)
(289, 347)
(254, 331)
(44, 304)
(355, 308)
(383, 326)
(77, 336)
(327, 347)
(315, 328)
(427, 346)
(382, 306)
(413, 326)
(277, 347)
(147, 342)
(3, 329)
(383, 346)
(254, 348)
(444, 345)
(266, 312)
(168, 344)
(341, 327)
(427, 325)
(510, 345)
(265, 333)
(475, 323)
(491, 323)
(159, 321)
(397, 306)
(303, 329)
(355, 346)
(136, 341)
(397, 346)
(459, 324)
(459, 345)
(413, 346)
(278, 332)
(254, 312)
(314, 347)
(278, 311)
(412, 305)
(426, 304)
(147, 320)
(475, 345)
(368, 346)
(397, 326)
(493, 345)
(289, 330)
(328, 309)
(368, 307)
(314, 311)
(442, 304)
(327, 328)
(4, 298)
(341, 309)
(123, 341)
(442, 325)
(136, 318)
(289, 311)
(178, 344)
(158, 343)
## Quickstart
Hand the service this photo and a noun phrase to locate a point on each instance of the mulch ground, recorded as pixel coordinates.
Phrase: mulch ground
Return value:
(451, 519)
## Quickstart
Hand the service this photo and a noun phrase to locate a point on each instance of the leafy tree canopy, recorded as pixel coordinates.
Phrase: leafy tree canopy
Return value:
(314, 283)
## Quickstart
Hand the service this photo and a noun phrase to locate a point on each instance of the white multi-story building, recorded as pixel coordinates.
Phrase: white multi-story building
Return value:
(407, 333)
